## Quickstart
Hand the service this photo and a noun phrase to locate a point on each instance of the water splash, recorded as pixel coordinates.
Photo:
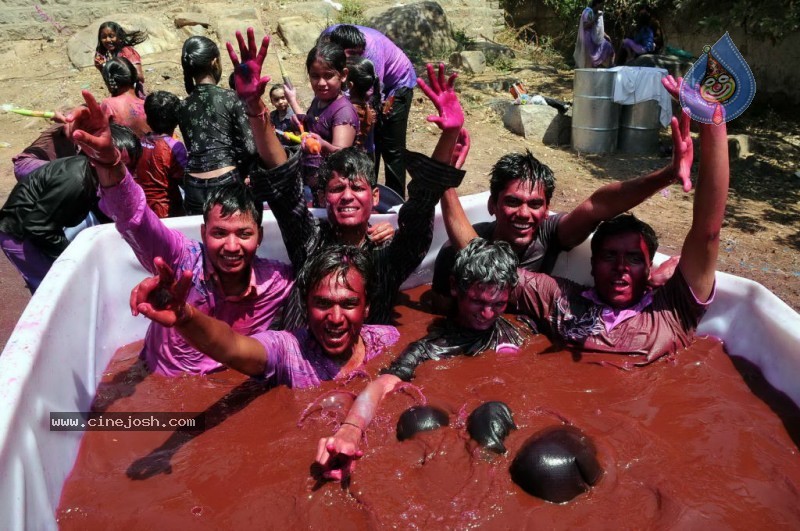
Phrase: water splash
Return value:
(327, 400)
(413, 391)
(720, 85)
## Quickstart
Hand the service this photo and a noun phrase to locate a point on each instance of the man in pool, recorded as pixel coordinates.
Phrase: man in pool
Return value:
(621, 313)
(483, 276)
(335, 287)
(348, 182)
(228, 282)
(521, 188)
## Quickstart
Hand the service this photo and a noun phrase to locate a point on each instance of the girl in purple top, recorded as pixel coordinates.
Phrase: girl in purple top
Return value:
(331, 119)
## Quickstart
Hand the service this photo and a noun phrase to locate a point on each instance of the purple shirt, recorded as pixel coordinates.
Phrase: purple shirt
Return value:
(393, 68)
(296, 359)
(165, 351)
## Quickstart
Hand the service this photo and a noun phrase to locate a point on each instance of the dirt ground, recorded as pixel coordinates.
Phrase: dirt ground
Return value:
(760, 239)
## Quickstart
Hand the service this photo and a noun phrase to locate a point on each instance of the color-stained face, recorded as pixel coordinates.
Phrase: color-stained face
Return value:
(480, 306)
(520, 209)
(231, 242)
(326, 82)
(278, 99)
(621, 268)
(108, 38)
(337, 307)
(718, 88)
(349, 203)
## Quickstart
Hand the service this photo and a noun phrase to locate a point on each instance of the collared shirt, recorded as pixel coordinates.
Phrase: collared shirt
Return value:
(561, 311)
(296, 359)
(612, 317)
(165, 351)
(304, 234)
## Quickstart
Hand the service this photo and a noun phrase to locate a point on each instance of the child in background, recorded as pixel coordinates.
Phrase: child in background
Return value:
(331, 119)
(113, 41)
(160, 169)
(281, 117)
(123, 107)
(365, 95)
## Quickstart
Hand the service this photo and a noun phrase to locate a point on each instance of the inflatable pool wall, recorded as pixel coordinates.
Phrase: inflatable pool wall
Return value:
(79, 317)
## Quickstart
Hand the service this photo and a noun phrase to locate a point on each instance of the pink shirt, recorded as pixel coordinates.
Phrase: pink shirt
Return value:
(165, 351)
(128, 110)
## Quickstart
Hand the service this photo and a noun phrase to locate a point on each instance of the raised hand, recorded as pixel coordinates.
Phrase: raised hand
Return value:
(443, 95)
(250, 85)
(682, 150)
(162, 298)
(92, 133)
(673, 86)
(462, 149)
(337, 455)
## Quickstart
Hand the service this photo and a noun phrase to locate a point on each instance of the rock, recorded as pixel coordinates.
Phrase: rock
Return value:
(491, 51)
(227, 27)
(298, 33)
(81, 45)
(738, 147)
(191, 19)
(538, 121)
(419, 29)
(469, 62)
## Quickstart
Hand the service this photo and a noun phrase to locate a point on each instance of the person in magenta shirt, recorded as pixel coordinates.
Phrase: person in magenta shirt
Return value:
(123, 107)
(228, 280)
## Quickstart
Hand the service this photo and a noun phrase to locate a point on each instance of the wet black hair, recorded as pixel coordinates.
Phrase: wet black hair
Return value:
(351, 162)
(520, 166)
(119, 75)
(126, 38)
(330, 53)
(336, 260)
(361, 75)
(125, 139)
(492, 263)
(348, 36)
(234, 197)
(196, 57)
(624, 224)
(161, 109)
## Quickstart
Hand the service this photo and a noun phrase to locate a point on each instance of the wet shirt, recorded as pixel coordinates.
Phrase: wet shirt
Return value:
(160, 171)
(303, 234)
(296, 359)
(393, 67)
(446, 339)
(540, 255)
(216, 130)
(564, 309)
(165, 351)
(128, 110)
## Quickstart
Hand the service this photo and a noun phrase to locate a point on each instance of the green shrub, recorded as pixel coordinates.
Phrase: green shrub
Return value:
(352, 12)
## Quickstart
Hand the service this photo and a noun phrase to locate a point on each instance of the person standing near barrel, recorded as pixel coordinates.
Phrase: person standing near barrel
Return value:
(593, 47)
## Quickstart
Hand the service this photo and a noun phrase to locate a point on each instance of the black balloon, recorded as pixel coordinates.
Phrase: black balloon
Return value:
(420, 418)
(489, 424)
(556, 464)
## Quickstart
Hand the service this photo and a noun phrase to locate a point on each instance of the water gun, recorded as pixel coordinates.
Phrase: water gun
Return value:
(284, 75)
(312, 144)
(28, 112)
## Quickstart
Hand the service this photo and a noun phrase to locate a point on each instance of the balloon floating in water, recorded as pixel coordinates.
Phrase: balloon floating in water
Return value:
(489, 424)
(556, 464)
(420, 418)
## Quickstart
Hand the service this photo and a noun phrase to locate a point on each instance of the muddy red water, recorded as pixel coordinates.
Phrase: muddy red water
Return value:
(683, 443)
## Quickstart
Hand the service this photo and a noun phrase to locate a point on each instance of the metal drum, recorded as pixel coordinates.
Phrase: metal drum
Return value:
(595, 116)
(639, 125)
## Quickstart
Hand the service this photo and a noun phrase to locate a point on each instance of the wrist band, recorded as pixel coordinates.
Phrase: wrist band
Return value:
(263, 115)
(354, 425)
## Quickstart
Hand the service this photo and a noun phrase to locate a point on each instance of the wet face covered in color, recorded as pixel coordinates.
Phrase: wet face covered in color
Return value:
(349, 202)
(326, 82)
(230, 242)
(519, 210)
(337, 307)
(108, 38)
(621, 268)
(479, 307)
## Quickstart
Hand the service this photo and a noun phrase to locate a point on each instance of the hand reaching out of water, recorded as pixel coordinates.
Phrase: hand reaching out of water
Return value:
(162, 298)
(250, 85)
(337, 455)
(462, 149)
(443, 95)
(92, 132)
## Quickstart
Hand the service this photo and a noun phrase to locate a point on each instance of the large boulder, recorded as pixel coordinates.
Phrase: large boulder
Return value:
(541, 122)
(420, 29)
(160, 37)
(298, 33)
